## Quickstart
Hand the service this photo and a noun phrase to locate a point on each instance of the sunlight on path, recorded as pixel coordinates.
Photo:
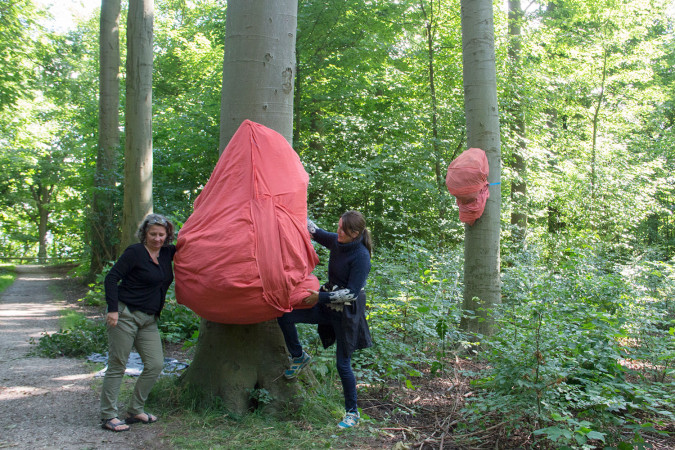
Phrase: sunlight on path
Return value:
(49, 403)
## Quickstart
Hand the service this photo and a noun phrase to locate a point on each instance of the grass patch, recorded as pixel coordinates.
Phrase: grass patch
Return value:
(7, 276)
(204, 423)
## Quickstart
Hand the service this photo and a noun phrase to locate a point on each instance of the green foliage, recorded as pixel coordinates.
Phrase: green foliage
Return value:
(77, 337)
(177, 323)
(573, 347)
(7, 276)
(260, 397)
(95, 296)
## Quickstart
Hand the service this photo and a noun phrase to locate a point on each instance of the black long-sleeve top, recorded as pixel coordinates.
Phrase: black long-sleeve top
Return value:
(143, 283)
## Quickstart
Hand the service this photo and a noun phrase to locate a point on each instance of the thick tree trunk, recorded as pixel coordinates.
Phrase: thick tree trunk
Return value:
(138, 119)
(233, 361)
(481, 246)
(258, 69)
(103, 234)
(259, 66)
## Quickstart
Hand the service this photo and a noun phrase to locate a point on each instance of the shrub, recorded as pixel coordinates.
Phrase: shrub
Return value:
(82, 337)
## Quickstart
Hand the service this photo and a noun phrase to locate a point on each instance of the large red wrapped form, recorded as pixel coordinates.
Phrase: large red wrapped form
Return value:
(244, 255)
(467, 181)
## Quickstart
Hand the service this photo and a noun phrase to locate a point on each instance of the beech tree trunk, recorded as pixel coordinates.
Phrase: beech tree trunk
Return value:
(103, 224)
(519, 208)
(482, 289)
(138, 120)
(233, 361)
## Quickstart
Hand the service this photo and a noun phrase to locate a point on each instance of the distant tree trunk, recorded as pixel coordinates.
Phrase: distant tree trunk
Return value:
(232, 360)
(430, 25)
(138, 119)
(596, 115)
(517, 125)
(482, 289)
(103, 229)
(42, 196)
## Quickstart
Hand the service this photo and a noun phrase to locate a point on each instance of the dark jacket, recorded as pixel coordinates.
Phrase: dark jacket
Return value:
(348, 269)
(143, 283)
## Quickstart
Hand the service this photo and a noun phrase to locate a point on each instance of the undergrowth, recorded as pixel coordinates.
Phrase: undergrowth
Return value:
(7, 276)
(582, 355)
(78, 336)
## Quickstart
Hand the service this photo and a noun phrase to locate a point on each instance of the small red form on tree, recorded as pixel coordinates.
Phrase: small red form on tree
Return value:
(467, 181)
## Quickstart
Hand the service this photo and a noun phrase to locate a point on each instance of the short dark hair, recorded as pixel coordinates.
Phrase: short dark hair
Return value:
(155, 219)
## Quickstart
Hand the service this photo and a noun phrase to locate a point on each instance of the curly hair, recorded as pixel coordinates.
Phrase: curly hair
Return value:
(156, 219)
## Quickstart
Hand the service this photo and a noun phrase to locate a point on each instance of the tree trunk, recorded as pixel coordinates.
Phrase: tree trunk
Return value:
(231, 360)
(481, 246)
(259, 66)
(431, 26)
(234, 361)
(42, 196)
(138, 120)
(103, 234)
(517, 125)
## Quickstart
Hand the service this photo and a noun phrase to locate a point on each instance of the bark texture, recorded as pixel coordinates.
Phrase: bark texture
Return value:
(259, 66)
(481, 246)
(232, 360)
(103, 226)
(138, 119)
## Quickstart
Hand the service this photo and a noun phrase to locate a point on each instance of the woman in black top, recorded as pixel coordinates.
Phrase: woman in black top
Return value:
(135, 290)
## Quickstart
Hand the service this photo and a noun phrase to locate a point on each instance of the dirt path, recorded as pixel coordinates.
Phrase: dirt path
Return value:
(50, 403)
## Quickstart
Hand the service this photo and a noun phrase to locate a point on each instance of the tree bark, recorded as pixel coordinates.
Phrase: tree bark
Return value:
(519, 208)
(431, 26)
(258, 68)
(42, 196)
(233, 361)
(138, 119)
(103, 234)
(482, 289)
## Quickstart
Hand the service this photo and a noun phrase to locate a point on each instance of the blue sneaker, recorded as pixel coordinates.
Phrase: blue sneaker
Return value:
(350, 420)
(297, 364)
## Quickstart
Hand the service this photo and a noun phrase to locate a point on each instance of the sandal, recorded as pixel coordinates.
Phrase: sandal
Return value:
(110, 425)
(137, 419)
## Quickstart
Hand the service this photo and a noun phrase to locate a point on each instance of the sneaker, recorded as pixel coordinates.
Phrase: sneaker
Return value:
(297, 364)
(351, 420)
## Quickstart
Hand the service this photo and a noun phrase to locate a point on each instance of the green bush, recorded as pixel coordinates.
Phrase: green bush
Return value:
(561, 360)
(81, 337)
(177, 323)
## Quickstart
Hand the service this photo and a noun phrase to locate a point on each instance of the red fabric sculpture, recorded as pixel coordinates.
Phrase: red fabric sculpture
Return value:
(244, 255)
(467, 181)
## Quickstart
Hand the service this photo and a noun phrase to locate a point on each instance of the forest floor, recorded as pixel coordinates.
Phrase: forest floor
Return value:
(53, 403)
(50, 403)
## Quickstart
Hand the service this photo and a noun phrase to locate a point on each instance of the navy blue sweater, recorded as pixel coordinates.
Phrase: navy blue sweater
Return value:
(143, 283)
(348, 267)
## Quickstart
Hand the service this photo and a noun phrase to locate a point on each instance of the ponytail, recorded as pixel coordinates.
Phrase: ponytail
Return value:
(368, 241)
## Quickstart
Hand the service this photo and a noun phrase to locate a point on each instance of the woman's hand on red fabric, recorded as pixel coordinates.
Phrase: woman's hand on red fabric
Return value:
(312, 299)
